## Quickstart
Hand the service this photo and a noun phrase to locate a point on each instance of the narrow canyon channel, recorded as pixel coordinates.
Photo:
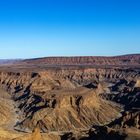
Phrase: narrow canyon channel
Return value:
(8, 111)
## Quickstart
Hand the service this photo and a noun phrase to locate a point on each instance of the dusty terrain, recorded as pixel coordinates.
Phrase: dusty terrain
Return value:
(77, 98)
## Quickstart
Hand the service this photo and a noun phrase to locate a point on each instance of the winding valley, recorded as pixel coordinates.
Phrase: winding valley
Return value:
(99, 99)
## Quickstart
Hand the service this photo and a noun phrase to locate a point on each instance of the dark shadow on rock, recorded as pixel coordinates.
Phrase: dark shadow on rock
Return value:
(68, 136)
(91, 86)
(102, 133)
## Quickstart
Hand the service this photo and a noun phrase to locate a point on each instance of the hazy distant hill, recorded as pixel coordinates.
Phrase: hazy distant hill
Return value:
(8, 61)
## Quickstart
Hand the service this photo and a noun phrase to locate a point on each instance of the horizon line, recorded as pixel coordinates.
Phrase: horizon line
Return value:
(63, 56)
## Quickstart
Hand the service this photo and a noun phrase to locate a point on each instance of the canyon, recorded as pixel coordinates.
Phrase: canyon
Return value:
(70, 98)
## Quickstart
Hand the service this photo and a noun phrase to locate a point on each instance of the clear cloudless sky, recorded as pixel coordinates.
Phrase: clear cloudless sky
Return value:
(38, 28)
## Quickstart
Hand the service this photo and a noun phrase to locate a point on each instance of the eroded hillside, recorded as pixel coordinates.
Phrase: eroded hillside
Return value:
(70, 103)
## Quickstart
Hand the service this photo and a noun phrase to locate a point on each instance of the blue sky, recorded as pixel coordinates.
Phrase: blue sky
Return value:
(38, 28)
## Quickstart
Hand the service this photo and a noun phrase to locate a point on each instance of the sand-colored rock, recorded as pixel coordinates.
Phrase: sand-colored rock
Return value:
(137, 83)
(36, 135)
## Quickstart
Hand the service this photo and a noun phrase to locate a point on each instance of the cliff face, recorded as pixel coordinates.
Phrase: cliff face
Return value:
(80, 103)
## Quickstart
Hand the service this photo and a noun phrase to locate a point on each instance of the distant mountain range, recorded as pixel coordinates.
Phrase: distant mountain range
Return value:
(131, 59)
